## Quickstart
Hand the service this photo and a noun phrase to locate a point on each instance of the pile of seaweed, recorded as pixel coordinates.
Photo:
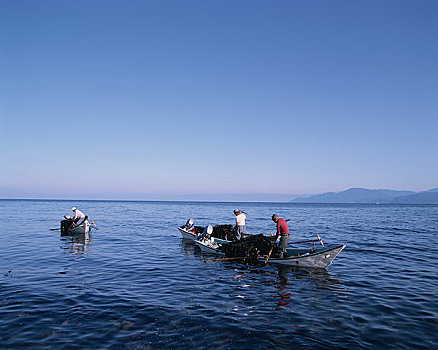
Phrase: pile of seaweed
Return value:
(224, 232)
(250, 248)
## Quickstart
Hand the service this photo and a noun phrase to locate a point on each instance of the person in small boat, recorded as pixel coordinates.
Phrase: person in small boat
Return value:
(240, 224)
(283, 232)
(79, 217)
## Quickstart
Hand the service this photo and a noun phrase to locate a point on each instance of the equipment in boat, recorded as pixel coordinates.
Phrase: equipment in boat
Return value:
(191, 232)
(189, 224)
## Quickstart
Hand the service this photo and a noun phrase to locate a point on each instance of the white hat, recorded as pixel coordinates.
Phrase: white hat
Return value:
(74, 208)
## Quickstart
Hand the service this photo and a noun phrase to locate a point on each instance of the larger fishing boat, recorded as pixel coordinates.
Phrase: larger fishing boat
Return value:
(261, 248)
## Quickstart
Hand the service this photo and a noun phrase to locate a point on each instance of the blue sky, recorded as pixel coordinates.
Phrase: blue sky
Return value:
(154, 99)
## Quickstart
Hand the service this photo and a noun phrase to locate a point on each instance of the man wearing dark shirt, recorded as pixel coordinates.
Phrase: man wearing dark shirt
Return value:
(283, 232)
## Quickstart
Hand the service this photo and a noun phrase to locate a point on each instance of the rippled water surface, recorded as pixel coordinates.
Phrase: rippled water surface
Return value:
(136, 284)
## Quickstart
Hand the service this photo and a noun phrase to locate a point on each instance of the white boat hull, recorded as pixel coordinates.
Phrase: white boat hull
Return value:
(319, 259)
(189, 235)
(209, 247)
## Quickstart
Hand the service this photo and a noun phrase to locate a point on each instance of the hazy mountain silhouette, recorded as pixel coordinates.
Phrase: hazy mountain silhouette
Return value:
(363, 195)
(425, 197)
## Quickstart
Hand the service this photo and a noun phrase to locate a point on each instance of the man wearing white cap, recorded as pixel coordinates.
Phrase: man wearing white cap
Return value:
(79, 217)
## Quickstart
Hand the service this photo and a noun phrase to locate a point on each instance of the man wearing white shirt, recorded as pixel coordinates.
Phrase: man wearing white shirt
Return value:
(79, 217)
(240, 224)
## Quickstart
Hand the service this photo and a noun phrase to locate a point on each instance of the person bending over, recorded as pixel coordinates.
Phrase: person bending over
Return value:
(79, 217)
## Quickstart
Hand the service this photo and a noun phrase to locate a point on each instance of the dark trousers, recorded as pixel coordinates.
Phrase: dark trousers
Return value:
(284, 240)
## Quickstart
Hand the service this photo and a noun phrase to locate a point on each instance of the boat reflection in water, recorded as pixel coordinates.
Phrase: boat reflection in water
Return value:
(284, 288)
(320, 278)
(317, 284)
(76, 243)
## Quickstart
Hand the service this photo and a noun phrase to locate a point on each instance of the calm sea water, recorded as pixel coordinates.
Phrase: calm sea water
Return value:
(136, 284)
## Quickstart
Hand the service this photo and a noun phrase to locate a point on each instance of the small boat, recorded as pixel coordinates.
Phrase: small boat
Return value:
(189, 231)
(68, 229)
(317, 257)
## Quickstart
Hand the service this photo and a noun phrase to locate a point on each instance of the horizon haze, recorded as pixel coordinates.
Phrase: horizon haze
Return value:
(339, 197)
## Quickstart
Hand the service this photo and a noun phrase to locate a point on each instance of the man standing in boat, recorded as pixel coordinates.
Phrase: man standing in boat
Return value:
(79, 217)
(283, 232)
(240, 224)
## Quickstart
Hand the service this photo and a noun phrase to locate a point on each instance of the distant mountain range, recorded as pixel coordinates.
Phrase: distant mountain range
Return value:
(363, 195)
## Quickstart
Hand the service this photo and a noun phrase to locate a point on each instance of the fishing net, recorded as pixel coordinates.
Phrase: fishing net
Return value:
(224, 232)
(251, 248)
(66, 225)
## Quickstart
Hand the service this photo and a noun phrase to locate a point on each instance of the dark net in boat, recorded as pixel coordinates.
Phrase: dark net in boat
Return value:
(66, 225)
(250, 248)
(224, 232)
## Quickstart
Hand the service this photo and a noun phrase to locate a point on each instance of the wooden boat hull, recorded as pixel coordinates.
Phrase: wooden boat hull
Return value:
(321, 258)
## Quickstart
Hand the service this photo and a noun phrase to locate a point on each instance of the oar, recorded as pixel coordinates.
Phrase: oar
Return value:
(270, 252)
(320, 240)
(310, 240)
(94, 226)
(71, 226)
(269, 255)
(234, 258)
(54, 229)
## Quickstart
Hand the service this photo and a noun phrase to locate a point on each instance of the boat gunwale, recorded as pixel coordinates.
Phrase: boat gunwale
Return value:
(182, 230)
(211, 250)
(295, 257)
